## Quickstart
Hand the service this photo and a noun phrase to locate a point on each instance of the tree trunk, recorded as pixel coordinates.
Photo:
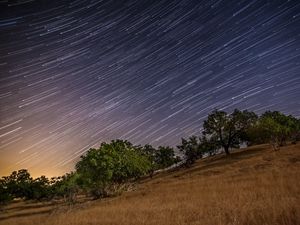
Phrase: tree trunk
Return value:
(226, 149)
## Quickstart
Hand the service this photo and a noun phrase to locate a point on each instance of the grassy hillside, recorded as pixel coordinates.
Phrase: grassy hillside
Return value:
(252, 186)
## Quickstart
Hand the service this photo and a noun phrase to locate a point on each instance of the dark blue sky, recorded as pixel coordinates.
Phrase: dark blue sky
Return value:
(76, 73)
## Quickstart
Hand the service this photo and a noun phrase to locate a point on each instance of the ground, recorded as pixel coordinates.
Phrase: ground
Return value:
(252, 186)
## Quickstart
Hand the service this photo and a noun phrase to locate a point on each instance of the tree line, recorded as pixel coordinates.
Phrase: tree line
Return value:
(101, 172)
(109, 169)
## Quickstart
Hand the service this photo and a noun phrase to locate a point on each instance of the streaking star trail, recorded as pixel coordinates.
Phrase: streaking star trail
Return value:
(76, 73)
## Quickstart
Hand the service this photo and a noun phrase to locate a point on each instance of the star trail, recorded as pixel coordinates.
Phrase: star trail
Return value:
(76, 73)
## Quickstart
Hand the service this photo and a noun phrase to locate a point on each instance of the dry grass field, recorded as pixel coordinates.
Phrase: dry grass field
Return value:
(253, 186)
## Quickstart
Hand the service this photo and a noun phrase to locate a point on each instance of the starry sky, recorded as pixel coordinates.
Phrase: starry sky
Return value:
(76, 73)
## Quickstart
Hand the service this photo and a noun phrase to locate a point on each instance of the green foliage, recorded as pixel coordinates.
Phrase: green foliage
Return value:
(19, 184)
(66, 186)
(195, 147)
(191, 149)
(275, 128)
(160, 158)
(273, 131)
(39, 188)
(111, 164)
(5, 195)
(295, 129)
(165, 157)
(150, 153)
(209, 146)
(228, 130)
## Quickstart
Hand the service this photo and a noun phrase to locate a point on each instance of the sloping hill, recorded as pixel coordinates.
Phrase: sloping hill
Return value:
(252, 186)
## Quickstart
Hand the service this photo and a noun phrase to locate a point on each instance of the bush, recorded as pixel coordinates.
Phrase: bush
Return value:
(111, 165)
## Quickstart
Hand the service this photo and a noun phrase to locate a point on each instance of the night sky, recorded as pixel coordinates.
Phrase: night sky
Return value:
(76, 73)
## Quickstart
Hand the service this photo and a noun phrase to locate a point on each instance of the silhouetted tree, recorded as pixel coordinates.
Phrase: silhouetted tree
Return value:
(228, 130)
(5, 194)
(194, 148)
(19, 184)
(40, 188)
(165, 157)
(191, 149)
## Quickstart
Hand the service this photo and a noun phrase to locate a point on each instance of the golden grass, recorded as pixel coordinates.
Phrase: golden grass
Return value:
(255, 186)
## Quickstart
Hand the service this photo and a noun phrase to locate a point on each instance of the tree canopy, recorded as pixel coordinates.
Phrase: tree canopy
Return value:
(228, 130)
(110, 164)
